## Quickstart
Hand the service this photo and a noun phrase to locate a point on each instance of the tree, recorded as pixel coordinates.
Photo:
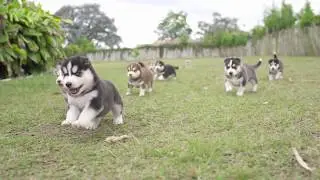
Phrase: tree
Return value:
(258, 32)
(272, 19)
(174, 26)
(29, 37)
(218, 24)
(223, 31)
(306, 16)
(287, 19)
(89, 21)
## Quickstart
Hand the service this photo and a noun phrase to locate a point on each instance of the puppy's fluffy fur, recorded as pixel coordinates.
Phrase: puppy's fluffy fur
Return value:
(275, 68)
(165, 71)
(238, 74)
(140, 76)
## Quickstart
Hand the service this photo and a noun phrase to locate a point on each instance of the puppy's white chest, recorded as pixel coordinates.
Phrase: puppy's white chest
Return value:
(235, 81)
(82, 101)
(136, 83)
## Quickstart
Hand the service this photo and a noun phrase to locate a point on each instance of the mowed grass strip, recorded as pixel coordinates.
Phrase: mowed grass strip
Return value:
(186, 128)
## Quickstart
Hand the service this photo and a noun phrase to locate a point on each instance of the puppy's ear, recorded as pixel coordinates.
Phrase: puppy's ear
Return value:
(226, 60)
(85, 61)
(270, 60)
(237, 60)
(141, 64)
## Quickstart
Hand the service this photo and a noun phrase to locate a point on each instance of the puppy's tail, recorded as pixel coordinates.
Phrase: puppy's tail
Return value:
(275, 55)
(258, 64)
(176, 67)
(141, 64)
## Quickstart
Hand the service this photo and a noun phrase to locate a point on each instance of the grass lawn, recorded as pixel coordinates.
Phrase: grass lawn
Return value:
(187, 128)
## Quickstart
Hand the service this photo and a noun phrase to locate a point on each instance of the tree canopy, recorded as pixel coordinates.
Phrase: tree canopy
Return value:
(90, 22)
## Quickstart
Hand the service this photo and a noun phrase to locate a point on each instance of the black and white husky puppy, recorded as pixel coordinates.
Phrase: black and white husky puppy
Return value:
(275, 68)
(89, 98)
(238, 74)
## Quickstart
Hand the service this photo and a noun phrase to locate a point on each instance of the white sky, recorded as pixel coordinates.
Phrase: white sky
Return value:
(137, 20)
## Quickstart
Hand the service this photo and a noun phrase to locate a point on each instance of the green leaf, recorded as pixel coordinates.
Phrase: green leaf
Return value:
(44, 54)
(13, 29)
(10, 52)
(32, 45)
(4, 37)
(7, 57)
(22, 53)
(31, 32)
(35, 57)
(51, 41)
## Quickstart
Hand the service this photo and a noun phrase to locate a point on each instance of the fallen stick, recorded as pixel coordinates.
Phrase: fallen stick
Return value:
(113, 139)
(300, 160)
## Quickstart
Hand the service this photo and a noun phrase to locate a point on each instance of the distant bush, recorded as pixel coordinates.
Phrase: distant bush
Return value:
(80, 47)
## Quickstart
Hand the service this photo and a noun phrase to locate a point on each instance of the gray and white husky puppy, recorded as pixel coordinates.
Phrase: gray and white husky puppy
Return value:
(89, 98)
(275, 68)
(238, 74)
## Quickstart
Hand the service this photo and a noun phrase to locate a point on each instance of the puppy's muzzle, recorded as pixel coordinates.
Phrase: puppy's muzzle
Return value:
(59, 83)
(230, 73)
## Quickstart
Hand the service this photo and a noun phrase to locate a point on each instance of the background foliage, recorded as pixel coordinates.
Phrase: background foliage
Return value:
(29, 37)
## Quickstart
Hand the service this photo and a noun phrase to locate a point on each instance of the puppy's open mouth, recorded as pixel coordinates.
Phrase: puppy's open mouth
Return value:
(75, 90)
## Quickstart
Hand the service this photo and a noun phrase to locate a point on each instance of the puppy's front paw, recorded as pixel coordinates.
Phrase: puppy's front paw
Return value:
(65, 122)
(118, 120)
(239, 93)
(86, 125)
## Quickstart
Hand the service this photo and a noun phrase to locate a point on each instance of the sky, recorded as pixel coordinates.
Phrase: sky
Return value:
(137, 20)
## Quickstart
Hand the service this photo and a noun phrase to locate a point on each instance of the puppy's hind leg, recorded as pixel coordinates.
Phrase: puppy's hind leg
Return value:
(117, 113)
(142, 90)
(129, 89)
(150, 86)
(254, 86)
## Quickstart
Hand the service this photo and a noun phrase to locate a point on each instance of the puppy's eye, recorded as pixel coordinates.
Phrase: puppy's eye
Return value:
(78, 73)
(228, 67)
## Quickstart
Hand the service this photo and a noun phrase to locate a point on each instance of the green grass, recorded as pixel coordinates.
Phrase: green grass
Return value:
(187, 128)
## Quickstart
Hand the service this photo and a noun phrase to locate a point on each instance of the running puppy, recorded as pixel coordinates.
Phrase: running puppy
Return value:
(89, 97)
(140, 77)
(275, 68)
(165, 71)
(238, 74)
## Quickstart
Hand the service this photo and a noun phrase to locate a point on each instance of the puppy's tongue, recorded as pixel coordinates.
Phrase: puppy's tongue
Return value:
(74, 91)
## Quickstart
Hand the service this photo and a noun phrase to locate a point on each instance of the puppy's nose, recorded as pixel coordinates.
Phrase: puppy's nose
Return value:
(68, 84)
(230, 73)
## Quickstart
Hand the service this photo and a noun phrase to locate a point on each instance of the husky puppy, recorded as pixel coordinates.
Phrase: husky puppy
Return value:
(238, 74)
(165, 71)
(58, 73)
(89, 97)
(139, 76)
(152, 68)
(275, 68)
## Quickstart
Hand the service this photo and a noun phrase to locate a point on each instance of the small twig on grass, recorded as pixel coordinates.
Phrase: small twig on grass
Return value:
(112, 153)
(113, 139)
(300, 160)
